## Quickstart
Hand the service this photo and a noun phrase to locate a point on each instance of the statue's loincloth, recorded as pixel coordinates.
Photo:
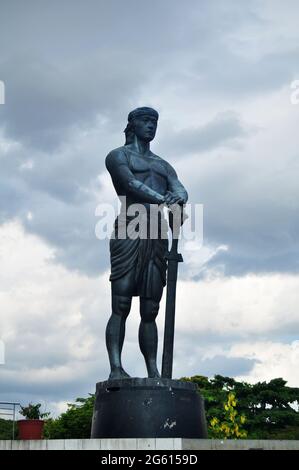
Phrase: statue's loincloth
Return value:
(139, 254)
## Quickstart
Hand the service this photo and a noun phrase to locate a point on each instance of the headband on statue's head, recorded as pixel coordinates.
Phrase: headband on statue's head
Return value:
(144, 111)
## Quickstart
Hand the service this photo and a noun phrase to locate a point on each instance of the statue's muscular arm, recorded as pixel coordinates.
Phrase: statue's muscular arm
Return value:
(175, 187)
(117, 165)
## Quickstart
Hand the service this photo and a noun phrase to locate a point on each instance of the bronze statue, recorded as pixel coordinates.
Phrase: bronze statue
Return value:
(153, 406)
(139, 265)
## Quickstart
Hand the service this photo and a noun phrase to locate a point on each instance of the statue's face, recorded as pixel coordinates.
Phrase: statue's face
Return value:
(145, 127)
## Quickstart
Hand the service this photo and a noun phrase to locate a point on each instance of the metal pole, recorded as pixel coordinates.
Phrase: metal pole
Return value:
(13, 421)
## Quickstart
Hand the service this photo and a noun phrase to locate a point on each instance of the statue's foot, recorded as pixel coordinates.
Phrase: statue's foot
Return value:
(154, 374)
(118, 373)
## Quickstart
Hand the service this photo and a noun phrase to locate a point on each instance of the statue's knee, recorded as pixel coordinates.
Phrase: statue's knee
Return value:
(149, 311)
(121, 305)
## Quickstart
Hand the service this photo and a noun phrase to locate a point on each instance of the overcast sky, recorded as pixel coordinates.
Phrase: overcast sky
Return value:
(219, 72)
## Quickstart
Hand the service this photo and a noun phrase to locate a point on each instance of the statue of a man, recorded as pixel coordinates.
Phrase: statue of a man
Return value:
(138, 266)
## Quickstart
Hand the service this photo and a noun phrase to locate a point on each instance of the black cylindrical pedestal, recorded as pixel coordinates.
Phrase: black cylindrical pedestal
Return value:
(147, 408)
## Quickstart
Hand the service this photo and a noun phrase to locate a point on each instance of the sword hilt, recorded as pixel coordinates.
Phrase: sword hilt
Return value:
(173, 255)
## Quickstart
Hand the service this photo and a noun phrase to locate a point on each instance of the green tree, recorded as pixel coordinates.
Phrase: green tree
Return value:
(270, 409)
(75, 423)
(6, 429)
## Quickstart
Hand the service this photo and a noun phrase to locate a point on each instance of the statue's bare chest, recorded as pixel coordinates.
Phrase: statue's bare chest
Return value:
(151, 171)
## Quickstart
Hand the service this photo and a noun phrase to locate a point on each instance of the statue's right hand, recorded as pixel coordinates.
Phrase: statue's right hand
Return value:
(171, 199)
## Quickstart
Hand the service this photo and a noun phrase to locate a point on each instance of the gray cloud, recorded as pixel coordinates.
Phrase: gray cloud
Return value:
(61, 84)
(230, 367)
(231, 74)
(45, 100)
(225, 129)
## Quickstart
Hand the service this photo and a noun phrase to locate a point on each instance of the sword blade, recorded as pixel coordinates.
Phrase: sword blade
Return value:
(173, 258)
(167, 358)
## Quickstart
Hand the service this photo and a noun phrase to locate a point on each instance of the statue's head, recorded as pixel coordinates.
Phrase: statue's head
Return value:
(142, 123)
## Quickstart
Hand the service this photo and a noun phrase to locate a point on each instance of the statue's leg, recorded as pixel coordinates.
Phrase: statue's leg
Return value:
(115, 331)
(148, 334)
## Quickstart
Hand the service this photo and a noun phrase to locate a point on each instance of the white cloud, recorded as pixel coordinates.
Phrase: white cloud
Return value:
(273, 359)
(52, 320)
(197, 256)
(239, 306)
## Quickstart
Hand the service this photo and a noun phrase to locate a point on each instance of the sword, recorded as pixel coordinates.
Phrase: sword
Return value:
(176, 219)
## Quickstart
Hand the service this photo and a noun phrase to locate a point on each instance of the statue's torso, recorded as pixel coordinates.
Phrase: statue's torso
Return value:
(143, 254)
(151, 170)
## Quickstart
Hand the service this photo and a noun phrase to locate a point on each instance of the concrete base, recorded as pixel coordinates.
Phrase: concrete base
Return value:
(149, 444)
(148, 408)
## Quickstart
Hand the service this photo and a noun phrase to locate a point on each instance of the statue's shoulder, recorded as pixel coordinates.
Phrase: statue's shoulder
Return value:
(118, 151)
(116, 157)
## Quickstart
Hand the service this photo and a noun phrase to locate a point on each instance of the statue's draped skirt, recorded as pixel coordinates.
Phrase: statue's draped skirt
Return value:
(139, 254)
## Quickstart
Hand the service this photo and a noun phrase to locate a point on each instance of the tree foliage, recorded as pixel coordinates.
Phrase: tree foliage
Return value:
(270, 409)
(6, 429)
(75, 423)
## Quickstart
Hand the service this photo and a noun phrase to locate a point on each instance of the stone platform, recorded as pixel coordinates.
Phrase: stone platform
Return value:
(148, 408)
